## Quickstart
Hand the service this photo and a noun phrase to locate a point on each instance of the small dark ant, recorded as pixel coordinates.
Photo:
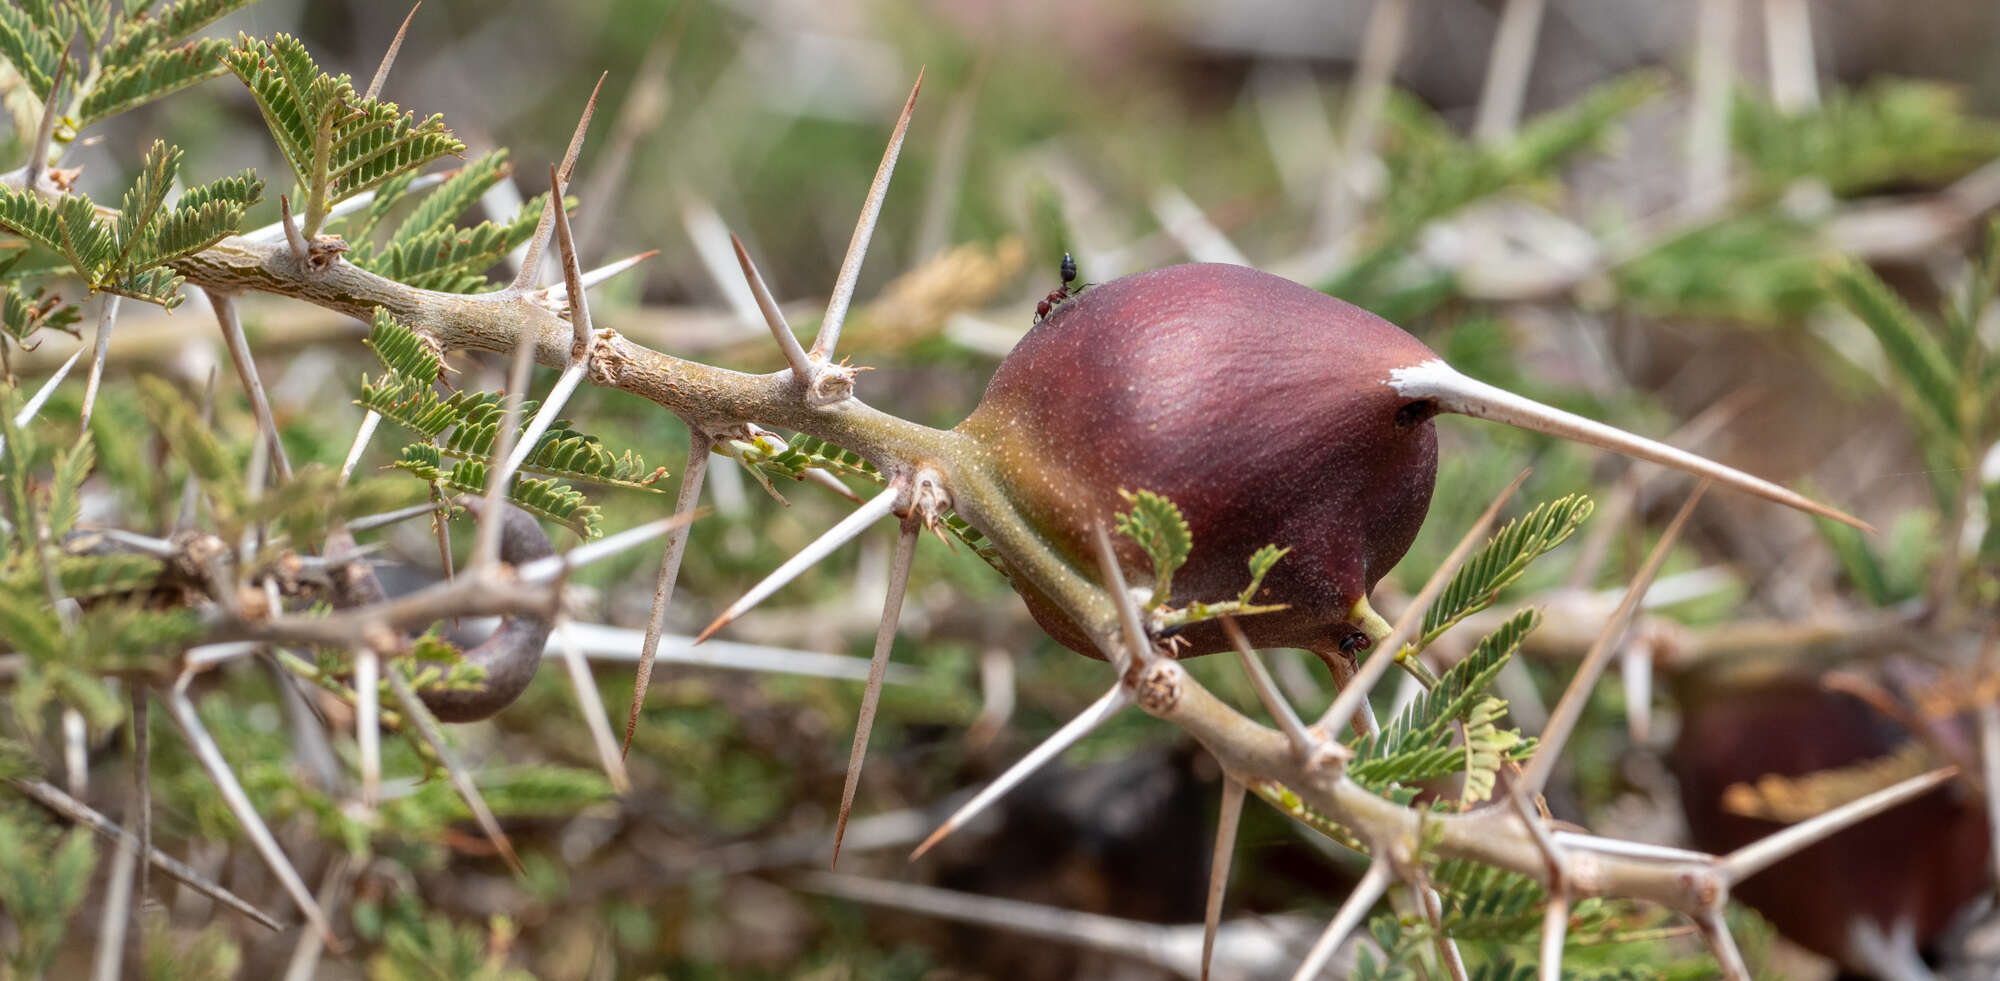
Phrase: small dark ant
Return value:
(1355, 643)
(1060, 293)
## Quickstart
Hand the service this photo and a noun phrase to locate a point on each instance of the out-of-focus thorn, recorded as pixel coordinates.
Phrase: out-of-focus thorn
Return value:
(996, 697)
(1260, 681)
(663, 586)
(362, 437)
(594, 717)
(840, 534)
(1507, 67)
(1569, 709)
(1184, 220)
(182, 710)
(38, 153)
(368, 722)
(1104, 708)
(1373, 884)
(885, 639)
(275, 232)
(1218, 866)
(486, 547)
(246, 372)
(107, 314)
(559, 293)
(1716, 931)
(545, 569)
(41, 396)
(1761, 854)
(1635, 669)
(1136, 649)
(52, 797)
(415, 710)
(373, 521)
(828, 339)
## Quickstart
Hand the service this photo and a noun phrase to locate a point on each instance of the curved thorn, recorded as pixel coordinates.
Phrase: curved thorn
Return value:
(1352, 697)
(864, 229)
(670, 570)
(415, 710)
(1267, 692)
(389, 57)
(885, 639)
(1137, 646)
(1104, 708)
(840, 534)
(531, 262)
(210, 755)
(1371, 887)
(1761, 854)
(1458, 393)
(774, 318)
(52, 797)
(1563, 718)
(1218, 866)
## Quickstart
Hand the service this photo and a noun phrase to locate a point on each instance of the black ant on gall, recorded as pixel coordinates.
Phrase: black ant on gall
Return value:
(1060, 293)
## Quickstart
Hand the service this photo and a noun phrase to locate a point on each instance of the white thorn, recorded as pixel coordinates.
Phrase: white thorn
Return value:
(183, 713)
(1371, 887)
(1218, 867)
(107, 314)
(1136, 643)
(1716, 931)
(603, 643)
(368, 723)
(1274, 702)
(361, 438)
(545, 415)
(1562, 720)
(275, 231)
(1761, 854)
(594, 717)
(1075, 729)
(840, 534)
(41, 396)
(544, 569)
(572, 267)
(864, 228)
(878, 665)
(1555, 927)
(373, 521)
(415, 711)
(531, 262)
(560, 291)
(486, 547)
(389, 57)
(1458, 393)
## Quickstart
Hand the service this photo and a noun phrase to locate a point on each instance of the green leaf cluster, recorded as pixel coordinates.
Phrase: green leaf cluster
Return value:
(1501, 561)
(338, 144)
(127, 252)
(1888, 132)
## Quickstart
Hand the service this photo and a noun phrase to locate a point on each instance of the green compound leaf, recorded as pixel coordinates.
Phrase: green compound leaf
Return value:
(1157, 525)
(156, 74)
(1502, 561)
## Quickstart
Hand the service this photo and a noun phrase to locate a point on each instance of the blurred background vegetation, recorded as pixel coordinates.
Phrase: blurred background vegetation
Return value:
(1653, 243)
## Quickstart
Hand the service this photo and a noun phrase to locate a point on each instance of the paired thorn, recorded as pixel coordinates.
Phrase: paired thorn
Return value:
(878, 665)
(389, 57)
(1353, 696)
(531, 263)
(670, 568)
(579, 352)
(840, 534)
(1761, 854)
(795, 354)
(182, 711)
(1455, 392)
(828, 338)
(1373, 884)
(1218, 866)
(1110, 704)
(427, 725)
(1562, 720)
(53, 798)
